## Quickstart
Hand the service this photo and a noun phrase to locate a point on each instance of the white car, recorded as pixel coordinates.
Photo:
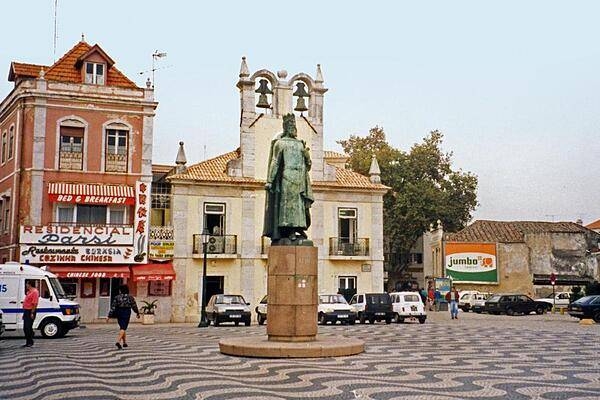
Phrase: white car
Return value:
(228, 308)
(560, 299)
(468, 297)
(408, 305)
(478, 302)
(261, 311)
(333, 308)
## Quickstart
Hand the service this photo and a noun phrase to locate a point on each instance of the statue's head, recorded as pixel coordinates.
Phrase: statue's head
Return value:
(289, 125)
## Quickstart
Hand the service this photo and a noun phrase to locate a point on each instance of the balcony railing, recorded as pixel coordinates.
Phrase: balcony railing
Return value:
(161, 233)
(217, 244)
(348, 247)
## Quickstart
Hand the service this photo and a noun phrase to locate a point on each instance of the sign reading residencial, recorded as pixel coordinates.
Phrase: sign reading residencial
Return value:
(471, 262)
(77, 235)
(43, 254)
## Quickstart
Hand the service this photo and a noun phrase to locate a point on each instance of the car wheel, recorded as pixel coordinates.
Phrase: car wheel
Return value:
(247, 322)
(322, 319)
(361, 318)
(510, 311)
(422, 320)
(540, 310)
(597, 317)
(371, 321)
(478, 311)
(351, 322)
(237, 323)
(260, 319)
(400, 320)
(388, 321)
(51, 329)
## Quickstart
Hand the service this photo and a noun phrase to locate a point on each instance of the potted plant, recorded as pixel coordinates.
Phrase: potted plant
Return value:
(147, 312)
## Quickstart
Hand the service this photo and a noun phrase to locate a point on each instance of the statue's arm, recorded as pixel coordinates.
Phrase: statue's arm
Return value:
(306, 154)
(273, 166)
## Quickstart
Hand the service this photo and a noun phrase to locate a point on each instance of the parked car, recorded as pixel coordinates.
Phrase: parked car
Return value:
(586, 307)
(408, 305)
(372, 307)
(511, 304)
(228, 308)
(333, 308)
(478, 302)
(560, 299)
(261, 311)
(1, 324)
(468, 297)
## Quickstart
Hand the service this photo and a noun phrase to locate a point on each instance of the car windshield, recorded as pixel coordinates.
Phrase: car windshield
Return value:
(585, 300)
(332, 299)
(58, 290)
(494, 298)
(412, 298)
(230, 299)
(465, 296)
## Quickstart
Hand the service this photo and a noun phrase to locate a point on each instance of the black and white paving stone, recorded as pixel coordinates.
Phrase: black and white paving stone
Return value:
(474, 357)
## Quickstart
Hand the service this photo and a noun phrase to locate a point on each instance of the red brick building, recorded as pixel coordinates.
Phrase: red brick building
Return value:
(76, 174)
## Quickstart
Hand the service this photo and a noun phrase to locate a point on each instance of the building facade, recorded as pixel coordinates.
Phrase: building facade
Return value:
(226, 197)
(76, 175)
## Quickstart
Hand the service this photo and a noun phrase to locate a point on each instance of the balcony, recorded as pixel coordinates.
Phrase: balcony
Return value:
(71, 160)
(225, 245)
(342, 248)
(162, 233)
(116, 163)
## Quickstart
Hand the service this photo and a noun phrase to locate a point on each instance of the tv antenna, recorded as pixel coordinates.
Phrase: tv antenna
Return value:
(155, 56)
(55, 26)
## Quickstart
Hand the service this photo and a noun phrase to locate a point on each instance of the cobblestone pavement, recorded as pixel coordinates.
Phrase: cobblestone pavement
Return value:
(474, 357)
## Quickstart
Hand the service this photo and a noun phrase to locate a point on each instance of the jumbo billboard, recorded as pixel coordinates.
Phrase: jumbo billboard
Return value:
(471, 262)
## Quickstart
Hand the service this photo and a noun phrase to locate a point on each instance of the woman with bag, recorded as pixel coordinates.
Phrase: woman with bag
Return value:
(120, 309)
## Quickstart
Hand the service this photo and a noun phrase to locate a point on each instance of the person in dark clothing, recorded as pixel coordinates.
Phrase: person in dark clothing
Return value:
(121, 308)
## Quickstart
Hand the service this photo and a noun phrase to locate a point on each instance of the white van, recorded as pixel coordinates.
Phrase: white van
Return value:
(55, 316)
(408, 305)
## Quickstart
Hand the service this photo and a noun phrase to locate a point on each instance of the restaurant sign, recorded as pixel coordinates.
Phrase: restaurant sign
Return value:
(43, 254)
(471, 262)
(77, 235)
(161, 249)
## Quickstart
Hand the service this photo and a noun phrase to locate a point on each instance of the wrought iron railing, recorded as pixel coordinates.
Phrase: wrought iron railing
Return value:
(217, 244)
(348, 246)
(161, 233)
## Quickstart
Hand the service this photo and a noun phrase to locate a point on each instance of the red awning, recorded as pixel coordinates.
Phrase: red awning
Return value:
(90, 271)
(87, 193)
(153, 272)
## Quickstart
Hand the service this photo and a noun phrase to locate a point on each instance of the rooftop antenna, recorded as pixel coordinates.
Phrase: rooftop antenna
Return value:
(156, 55)
(55, 26)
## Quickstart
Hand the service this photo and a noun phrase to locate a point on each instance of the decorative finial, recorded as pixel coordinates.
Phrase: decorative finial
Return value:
(319, 78)
(244, 73)
(42, 73)
(374, 171)
(282, 74)
(82, 37)
(180, 160)
(148, 83)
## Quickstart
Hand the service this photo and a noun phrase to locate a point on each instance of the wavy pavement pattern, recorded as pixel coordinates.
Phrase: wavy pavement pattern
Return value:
(431, 361)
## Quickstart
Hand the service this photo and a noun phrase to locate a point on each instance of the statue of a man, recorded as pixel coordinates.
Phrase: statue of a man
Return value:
(289, 193)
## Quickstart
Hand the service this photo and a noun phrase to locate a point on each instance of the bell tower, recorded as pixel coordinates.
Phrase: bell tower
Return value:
(265, 98)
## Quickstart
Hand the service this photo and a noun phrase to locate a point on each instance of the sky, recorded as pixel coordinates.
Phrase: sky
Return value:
(513, 85)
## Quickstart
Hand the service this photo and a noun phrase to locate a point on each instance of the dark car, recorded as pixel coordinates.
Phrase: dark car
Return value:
(586, 307)
(228, 308)
(373, 307)
(512, 304)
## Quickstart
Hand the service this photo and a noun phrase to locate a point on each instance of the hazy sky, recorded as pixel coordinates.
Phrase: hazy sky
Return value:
(513, 85)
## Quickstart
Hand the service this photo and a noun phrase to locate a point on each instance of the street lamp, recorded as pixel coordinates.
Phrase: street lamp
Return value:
(204, 322)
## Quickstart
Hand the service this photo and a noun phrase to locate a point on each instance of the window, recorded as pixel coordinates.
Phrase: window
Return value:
(94, 73)
(116, 215)
(214, 218)
(4, 143)
(161, 204)
(91, 214)
(65, 213)
(347, 286)
(5, 213)
(11, 142)
(69, 285)
(347, 225)
(116, 150)
(159, 288)
(88, 288)
(71, 148)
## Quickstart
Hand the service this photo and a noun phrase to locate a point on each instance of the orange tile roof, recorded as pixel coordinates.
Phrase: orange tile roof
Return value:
(215, 170)
(334, 154)
(511, 231)
(65, 70)
(594, 225)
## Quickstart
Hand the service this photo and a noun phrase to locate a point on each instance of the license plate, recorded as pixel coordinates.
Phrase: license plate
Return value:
(379, 313)
(343, 316)
(235, 316)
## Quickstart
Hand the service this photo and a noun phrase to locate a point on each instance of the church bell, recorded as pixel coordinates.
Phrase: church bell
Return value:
(263, 90)
(301, 93)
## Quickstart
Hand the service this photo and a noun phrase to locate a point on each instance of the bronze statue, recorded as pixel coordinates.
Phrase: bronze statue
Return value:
(289, 193)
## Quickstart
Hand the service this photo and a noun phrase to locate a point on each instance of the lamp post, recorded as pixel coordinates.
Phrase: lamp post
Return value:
(204, 322)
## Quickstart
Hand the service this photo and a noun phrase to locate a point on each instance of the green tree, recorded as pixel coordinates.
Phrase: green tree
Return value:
(423, 189)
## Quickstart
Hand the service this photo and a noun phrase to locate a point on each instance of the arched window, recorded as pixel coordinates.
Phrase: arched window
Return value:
(116, 147)
(11, 141)
(71, 144)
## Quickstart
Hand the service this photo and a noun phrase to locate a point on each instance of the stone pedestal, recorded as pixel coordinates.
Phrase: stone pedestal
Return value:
(292, 290)
(292, 312)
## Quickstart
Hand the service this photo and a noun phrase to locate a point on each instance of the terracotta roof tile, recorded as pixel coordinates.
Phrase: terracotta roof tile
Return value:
(334, 154)
(64, 70)
(594, 225)
(215, 170)
(511, 231)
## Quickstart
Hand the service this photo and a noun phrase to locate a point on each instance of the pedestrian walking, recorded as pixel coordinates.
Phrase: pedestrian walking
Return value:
(30, 304)
(120, 309)
(430, 297)
(452, 298)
